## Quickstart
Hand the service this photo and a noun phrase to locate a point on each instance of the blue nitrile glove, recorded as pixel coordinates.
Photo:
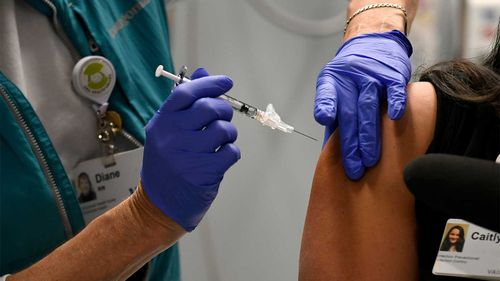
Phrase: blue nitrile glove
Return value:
(189, 146)
(366, 70)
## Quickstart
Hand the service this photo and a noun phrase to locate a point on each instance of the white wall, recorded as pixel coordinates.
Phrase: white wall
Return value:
(437, 32)
(254, 228)
(481, 21)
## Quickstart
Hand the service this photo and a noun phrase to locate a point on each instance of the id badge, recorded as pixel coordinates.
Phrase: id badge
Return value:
(468, 250)
(100, 188)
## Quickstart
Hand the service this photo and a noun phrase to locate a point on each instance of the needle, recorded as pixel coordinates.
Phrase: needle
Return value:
(304, 135)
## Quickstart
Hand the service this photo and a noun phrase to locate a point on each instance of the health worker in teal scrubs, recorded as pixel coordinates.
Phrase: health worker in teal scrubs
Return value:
(47, 128)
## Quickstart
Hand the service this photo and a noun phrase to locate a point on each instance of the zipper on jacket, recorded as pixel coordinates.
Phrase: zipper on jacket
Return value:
(60, 31)
(41, 160)
(130, 138)
(94, 48)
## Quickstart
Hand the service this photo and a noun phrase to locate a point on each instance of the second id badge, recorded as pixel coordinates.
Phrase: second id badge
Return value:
(100, 188)
(468, 250)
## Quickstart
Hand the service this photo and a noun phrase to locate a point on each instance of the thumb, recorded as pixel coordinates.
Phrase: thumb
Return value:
(198, 73)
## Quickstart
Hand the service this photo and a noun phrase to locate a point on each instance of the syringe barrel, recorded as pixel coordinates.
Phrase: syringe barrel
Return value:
(237, 105)
(240, 106)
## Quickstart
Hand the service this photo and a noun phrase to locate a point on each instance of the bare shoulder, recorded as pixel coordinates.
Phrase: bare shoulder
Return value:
(411, 136)
(423, 89)
(422, 108)
(356, 230)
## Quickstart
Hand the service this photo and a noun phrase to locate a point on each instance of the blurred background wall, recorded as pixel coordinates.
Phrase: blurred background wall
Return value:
(253, 230)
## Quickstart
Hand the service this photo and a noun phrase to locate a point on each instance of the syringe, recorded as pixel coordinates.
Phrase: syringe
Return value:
(267, 118)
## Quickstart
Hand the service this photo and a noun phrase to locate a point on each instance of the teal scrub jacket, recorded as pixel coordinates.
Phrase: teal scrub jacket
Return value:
(38, 207)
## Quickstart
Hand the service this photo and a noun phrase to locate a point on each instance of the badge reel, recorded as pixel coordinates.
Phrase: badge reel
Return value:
(104, 182)
(94, 78)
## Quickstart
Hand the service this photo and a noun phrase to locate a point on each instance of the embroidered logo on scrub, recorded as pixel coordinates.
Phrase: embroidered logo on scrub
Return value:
(125, 19)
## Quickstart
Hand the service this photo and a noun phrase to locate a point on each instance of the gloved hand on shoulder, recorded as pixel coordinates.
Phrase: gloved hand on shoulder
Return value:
(189, 146)
(367, 69)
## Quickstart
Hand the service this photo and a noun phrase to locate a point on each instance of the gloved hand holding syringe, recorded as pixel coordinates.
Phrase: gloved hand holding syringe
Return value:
(267, 118)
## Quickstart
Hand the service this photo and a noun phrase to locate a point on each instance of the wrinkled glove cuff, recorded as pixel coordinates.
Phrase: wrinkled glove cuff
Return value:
(395, 35)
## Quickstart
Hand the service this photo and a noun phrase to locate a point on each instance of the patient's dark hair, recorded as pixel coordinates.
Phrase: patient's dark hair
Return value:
(466, 81)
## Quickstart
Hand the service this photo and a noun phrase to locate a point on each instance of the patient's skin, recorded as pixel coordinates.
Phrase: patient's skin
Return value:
(366, 230)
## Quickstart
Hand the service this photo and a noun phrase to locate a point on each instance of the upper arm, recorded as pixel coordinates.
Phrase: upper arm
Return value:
(365, 230)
